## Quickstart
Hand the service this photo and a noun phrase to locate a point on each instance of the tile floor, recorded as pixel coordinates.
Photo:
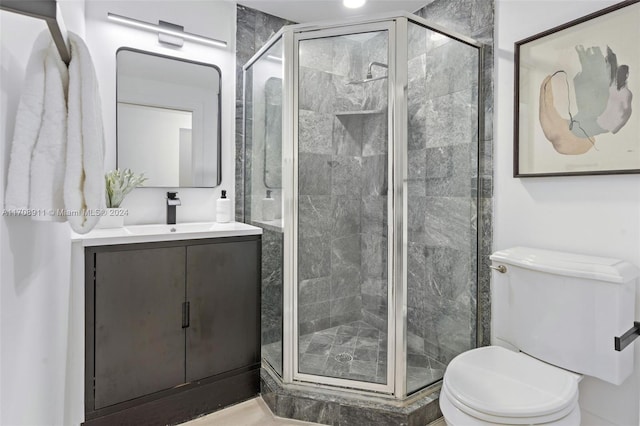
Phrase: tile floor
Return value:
(254, 413)
(355, 351)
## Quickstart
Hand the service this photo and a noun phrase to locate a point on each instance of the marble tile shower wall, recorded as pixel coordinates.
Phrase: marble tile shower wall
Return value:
(253, 30)
(271, 315)
(374, 266)
(474, 19)
(441, 262)
(342, 187)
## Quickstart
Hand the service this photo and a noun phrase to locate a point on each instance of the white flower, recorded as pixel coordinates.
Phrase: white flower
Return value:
(119, 184)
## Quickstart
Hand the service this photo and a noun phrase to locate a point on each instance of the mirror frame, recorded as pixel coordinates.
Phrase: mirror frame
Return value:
(219, 132)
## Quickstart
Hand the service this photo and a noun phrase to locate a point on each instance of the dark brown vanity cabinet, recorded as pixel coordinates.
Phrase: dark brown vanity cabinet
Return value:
(173, 329)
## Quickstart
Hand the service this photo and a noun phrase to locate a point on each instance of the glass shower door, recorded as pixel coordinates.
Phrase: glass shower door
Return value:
(441, 195)
(263, 80)
(342, 206)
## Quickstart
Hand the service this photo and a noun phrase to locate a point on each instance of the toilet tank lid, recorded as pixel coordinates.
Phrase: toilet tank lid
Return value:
(568, 264)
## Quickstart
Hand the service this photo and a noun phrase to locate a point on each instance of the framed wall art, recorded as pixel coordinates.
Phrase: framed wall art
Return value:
(577, 96)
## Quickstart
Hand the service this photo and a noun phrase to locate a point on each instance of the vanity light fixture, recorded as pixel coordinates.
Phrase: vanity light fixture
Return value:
(353, 4)
(167, 33)
(170, 39)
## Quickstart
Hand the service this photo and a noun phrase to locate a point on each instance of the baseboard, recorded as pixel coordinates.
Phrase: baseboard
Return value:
(187, 405)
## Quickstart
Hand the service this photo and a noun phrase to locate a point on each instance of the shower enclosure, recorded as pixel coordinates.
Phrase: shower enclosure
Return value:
(365, 135)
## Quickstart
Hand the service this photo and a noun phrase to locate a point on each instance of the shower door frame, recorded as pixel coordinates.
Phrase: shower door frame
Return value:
(290, 346)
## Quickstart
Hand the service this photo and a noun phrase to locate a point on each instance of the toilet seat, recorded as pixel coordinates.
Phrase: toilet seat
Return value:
(455, 417)
(500, 386)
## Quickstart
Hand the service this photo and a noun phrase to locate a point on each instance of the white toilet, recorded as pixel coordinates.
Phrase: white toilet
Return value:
(558, 314)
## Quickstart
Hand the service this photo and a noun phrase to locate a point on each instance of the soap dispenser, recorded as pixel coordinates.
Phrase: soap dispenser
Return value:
(268, 207)
(223, 208)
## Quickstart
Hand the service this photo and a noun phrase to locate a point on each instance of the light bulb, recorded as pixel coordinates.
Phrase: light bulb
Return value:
(353, 4)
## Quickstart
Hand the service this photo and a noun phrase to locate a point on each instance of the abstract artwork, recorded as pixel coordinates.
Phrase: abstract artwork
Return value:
(577, 96)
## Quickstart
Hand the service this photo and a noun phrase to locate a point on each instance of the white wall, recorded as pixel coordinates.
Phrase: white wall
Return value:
(215, 19)
(34, 262)
(159, 128)
(597, 215)
(39, 363)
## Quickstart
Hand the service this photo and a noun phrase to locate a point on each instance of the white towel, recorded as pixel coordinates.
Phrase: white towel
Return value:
(84, 183)
(48, 158)
(36, 169)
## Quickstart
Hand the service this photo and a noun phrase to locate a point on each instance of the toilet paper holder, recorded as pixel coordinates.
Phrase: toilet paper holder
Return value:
(625, 340)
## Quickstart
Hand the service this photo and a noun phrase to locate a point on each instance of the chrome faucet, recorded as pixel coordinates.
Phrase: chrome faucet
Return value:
(172, 202)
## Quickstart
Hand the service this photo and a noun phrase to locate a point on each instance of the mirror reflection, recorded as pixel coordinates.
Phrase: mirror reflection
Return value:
(273, 133)
(168, 119)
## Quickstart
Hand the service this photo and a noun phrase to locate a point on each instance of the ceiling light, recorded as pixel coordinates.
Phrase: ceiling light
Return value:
(163, 28)
(353, 4)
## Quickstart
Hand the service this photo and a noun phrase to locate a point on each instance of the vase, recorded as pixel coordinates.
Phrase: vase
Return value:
(113, 218)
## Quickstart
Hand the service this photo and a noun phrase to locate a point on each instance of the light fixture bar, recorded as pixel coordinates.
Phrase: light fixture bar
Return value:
(164, 30)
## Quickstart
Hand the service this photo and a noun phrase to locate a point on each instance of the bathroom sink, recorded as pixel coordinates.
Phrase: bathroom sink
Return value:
(161, 232)
(180, 228)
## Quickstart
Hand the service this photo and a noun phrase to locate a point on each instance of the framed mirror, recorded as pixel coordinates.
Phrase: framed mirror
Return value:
(168, 119)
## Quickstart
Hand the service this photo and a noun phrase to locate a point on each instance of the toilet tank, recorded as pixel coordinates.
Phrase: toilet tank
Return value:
(565, 309)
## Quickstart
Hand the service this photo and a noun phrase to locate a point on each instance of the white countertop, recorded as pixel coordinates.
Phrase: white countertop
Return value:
(272, 225)
(161, 232)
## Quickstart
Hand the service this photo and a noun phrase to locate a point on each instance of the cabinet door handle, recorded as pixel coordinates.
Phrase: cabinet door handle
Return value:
(185, 314)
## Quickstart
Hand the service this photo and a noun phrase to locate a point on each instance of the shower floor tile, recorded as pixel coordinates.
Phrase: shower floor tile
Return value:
(349, 351)
(356, 351)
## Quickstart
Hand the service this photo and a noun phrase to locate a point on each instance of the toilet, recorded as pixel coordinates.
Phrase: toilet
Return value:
(554, 319)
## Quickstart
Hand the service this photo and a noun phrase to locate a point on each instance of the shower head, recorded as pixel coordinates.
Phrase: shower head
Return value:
(369, 77)
(367, 80)
(377, 64)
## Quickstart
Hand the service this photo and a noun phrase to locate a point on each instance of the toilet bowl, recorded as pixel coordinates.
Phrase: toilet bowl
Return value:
(495, 386)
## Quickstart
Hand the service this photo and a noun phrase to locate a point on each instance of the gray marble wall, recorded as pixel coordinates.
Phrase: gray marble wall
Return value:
(342, 165)
(346, 409)
(272, 255)
(451, 178)
(373, 237)
(254, 29)
(443, 134)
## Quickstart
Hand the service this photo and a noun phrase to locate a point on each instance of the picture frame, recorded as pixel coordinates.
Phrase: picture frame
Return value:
(577, 96)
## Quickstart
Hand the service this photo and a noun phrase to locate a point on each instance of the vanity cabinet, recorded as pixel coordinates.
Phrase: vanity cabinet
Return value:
(172, 329)
(139, 342)
(224, 303)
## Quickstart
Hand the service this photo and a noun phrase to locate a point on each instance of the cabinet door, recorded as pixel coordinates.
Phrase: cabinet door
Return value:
(223, 292)
(139, 340)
